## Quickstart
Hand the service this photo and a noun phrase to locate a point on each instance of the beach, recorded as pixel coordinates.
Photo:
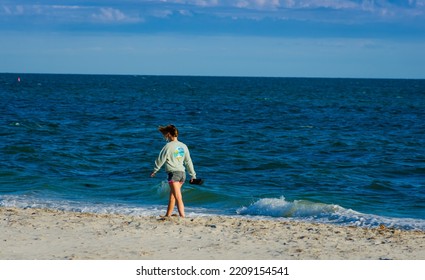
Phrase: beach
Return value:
(45, 234)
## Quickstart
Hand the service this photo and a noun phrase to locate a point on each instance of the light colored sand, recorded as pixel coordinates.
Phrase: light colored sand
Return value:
(46, 234)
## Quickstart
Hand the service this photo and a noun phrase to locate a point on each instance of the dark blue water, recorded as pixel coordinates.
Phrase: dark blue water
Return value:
(345, 151)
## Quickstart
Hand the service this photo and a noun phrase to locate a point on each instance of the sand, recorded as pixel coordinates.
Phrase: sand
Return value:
(42, 234)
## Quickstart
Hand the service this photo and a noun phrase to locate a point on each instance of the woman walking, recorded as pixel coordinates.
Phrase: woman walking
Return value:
(175, 155)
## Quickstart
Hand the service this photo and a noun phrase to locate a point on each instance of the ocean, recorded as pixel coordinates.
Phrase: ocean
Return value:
(340, 151)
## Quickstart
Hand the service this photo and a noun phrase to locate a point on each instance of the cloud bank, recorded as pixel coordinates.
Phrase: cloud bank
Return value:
(209, 12)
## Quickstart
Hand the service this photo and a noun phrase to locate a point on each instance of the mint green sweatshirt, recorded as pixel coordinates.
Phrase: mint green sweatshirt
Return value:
(175, 155)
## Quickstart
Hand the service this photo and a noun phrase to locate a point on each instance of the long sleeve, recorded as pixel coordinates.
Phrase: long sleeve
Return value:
(189, 164)
(162, 157)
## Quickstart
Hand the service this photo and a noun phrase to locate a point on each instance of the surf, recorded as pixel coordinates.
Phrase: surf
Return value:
(305, 210)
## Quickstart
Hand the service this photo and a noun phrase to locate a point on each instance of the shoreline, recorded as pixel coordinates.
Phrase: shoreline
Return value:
(46, 234)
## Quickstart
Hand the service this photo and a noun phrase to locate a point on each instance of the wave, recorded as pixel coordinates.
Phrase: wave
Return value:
(24, 202)
(325, 213)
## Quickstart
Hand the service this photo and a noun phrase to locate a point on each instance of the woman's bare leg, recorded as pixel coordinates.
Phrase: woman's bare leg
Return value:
(176, 197)
(171, 203)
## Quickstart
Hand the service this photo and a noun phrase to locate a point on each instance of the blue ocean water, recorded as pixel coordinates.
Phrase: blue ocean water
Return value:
(342, 151)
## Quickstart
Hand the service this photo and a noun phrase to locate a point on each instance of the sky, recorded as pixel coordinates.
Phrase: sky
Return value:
(274, 38)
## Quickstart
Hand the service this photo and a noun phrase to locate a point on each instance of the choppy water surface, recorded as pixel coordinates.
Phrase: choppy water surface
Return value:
(345, 151)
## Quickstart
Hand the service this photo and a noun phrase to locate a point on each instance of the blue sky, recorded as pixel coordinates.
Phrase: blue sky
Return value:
(279, 38)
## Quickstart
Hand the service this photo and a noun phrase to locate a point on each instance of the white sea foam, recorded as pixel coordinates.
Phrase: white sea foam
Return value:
(279, 207)
(324, 213)
(86, 207)
(75, 206)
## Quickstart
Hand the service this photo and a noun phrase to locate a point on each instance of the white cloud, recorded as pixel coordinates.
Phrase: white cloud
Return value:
(205, 3)
(201, 3)
(64, 7)
(185, 13)
(6, 10)
(302, 4)
(332, 4)
(63, 13)
(162, 13)
(110, 15)
(258, 4)
(13, 10)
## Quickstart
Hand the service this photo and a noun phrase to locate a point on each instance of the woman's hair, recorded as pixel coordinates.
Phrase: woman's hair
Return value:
(171, 129)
